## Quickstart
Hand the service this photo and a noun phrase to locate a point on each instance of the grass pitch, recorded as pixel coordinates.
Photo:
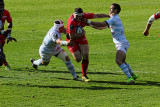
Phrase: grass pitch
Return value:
(53, 86)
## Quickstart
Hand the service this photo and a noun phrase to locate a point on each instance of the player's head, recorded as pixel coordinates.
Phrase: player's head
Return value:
(115, 8)
(59, 26)
(1, 8)
(78, 12)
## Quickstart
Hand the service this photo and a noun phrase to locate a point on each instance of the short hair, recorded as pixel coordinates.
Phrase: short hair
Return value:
(78, 10)
(57, 22)
(117, 6)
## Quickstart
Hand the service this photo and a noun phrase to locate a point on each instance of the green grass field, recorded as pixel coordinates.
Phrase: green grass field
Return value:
(53, 86)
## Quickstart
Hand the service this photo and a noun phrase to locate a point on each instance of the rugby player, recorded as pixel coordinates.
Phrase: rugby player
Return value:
(75, 32)
(51, 47)
(150, 21)
(121, 44)
(4, 16)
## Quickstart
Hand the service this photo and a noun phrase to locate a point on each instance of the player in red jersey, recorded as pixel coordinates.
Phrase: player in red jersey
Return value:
(151, 19)
(74, 31)
(4, 15)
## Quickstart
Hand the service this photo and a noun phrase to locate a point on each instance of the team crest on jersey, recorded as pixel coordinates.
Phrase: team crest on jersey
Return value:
(157, 13)
(71, 27)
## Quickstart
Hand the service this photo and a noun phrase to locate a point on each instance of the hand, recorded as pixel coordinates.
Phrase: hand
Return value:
(10, 39)
(85, 20)
(145, 33)
(71, 43)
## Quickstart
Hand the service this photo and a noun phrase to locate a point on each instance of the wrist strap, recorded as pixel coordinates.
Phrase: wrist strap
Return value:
(64, 43)
(2, 32)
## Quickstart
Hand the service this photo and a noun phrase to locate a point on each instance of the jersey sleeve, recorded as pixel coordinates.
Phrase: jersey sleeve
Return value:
(157, 15)
(9, 18)
(88, 15)
(110, 21)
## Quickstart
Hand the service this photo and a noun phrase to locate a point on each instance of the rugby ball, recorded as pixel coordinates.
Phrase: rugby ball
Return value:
(79, 29)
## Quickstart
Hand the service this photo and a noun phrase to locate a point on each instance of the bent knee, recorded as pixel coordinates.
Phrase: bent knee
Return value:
(45, 63)
(67, 58)
(78, 59)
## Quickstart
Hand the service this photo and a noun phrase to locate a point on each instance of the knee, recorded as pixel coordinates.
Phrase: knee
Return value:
(45, 63)
(119, 62)
(78, 59)
(67, 58)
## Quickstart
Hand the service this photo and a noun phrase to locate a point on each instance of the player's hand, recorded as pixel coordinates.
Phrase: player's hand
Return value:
(71, 43)
(83, 32)
(145, 33)
(85, 20)
(10, 39)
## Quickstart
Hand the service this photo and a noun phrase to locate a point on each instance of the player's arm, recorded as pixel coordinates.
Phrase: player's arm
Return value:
(100, 16)
(99, 28)
(95, 24)
(150, 21)
(64, 43)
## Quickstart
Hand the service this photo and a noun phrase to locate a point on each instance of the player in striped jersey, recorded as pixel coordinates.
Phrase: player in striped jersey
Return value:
(150, 21)
(122, 45)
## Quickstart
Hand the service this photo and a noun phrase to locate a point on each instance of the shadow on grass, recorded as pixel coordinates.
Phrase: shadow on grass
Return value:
(72, 87)
(52, 71)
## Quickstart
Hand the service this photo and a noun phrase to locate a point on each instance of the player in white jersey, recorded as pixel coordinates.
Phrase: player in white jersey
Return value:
(122, 45)
(51, 47)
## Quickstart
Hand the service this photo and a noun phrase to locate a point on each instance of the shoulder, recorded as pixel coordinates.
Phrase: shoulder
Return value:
(157, 15)
(6, 11)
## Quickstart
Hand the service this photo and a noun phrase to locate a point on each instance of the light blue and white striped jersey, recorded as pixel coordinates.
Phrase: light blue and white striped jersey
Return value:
(49, 42)
(117, 29)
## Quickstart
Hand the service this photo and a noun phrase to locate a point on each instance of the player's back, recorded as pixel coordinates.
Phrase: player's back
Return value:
(49, 41)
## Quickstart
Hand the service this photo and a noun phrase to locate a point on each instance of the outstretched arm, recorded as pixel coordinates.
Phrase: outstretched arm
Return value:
(100, 16)
(95, 24)
(150, 21)
(64, 43)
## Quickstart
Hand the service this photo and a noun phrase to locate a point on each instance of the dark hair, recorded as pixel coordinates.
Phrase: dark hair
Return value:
(57, 22)
(78, 10)
(117, 6)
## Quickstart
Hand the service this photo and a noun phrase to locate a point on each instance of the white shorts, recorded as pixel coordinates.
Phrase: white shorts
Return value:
(122, 46)
(46, 56)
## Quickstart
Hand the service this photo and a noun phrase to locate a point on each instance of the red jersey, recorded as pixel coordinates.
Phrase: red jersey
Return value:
(6, 16)
(72, 24)
(157, 15)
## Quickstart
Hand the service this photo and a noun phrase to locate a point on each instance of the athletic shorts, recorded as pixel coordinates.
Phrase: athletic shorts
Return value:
(122, 46)
(46, 56)
(82, 40)
(2, 40)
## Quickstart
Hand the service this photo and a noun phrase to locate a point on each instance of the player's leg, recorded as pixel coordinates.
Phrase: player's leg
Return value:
(44, 61)
(1, 55)
(65, 58)
(120, 60)
(5, 63)
(84, 48)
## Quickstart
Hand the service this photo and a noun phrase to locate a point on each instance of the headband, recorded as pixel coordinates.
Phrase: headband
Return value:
(57, 26)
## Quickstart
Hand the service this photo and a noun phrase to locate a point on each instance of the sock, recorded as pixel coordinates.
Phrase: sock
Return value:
(70, 67)
(5, 63)
(125, 70)
(38, 62)
(130, 70)
(84, 66)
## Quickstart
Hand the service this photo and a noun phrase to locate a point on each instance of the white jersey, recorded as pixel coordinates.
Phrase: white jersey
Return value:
(49, 42)
(117, 29)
